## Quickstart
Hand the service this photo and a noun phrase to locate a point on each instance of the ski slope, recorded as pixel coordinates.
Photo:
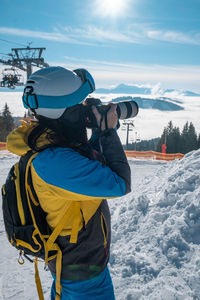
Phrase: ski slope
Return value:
(155, 251)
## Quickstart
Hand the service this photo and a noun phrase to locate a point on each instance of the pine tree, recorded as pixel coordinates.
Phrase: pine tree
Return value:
(2, 129)
(192, 137)
(170, 128)
(185, 145)
(7, 123)
(175, 141)
(189, 140)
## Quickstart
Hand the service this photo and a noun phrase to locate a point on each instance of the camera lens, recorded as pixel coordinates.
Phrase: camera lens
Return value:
(127, 109)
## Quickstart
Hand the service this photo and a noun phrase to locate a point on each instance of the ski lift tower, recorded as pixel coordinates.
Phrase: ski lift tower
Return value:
(26, 58)
(129, 127)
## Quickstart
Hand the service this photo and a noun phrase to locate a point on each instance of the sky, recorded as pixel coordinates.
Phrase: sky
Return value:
(119, 41)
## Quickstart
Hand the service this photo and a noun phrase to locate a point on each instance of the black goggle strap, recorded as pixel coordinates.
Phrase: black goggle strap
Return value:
(29, 99)
(86, 77)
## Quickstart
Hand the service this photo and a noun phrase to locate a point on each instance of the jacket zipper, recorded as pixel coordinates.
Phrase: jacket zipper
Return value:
(105, 232)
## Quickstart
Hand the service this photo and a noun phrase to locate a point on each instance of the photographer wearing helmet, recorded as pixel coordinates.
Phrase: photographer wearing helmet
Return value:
(72, 170)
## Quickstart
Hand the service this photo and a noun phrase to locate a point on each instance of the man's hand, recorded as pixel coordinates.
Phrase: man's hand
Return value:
(112, 117)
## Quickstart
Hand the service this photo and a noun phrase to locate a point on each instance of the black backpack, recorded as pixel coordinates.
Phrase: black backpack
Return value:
(25, 221)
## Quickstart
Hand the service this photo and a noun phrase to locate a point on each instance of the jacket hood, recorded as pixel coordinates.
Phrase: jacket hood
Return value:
(17, 140)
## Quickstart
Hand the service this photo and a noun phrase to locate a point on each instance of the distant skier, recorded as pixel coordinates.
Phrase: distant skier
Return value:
(69, 171)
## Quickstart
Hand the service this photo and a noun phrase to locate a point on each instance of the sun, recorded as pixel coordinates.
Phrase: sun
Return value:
(112, 8)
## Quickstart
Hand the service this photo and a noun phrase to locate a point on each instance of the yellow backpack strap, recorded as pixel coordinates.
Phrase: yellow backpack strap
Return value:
(28, 189)
(48, 246)
(58, 274)
(37, 281)
(69, 209)
(58, 271)
(18, 194)
(37, 277)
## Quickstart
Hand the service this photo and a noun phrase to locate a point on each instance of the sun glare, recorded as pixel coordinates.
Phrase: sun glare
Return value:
(111, 8)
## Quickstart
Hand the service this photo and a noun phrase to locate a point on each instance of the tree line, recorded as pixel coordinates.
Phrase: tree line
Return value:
(179, 141)
(176, 141)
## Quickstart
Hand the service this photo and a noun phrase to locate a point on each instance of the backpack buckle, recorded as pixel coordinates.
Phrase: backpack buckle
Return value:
(20, 258)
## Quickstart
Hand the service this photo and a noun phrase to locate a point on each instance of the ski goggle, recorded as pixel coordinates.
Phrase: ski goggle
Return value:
(86, 77)
(33, 101)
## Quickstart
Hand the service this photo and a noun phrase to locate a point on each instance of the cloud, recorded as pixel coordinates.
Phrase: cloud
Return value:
(89, 35)
(195, 70)
(174, 37)
(51, 36)
(133, 33)
(95, 36)
(100, 34)
(107, 73)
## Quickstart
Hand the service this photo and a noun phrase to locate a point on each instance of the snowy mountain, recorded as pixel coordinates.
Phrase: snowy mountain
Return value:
(185, 93)
(141, 90)
(124, 89)
(155, 251)
(161, 103)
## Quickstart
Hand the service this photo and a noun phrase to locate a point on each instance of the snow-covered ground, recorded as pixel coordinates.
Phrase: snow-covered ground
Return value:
(155, 236)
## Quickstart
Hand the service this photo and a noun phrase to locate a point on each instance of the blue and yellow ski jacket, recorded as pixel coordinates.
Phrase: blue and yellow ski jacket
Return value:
(64, 178)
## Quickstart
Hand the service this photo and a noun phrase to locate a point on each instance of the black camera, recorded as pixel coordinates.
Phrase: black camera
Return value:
(125, 110)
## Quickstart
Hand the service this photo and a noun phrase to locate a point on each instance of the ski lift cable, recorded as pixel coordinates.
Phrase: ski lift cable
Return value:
(12, 42)
(4, 54)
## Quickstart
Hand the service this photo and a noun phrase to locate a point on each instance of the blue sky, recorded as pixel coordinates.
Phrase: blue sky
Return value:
(118, 41)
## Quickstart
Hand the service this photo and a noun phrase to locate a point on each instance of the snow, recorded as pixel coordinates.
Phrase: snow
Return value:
(156, 232)
(155, 251)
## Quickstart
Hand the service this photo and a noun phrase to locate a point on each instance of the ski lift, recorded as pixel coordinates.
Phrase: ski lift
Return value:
(11, 79)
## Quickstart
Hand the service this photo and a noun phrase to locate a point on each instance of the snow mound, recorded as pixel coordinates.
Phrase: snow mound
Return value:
(156, 234)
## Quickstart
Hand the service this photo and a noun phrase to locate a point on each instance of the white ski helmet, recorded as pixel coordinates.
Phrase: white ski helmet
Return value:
(49, 91)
